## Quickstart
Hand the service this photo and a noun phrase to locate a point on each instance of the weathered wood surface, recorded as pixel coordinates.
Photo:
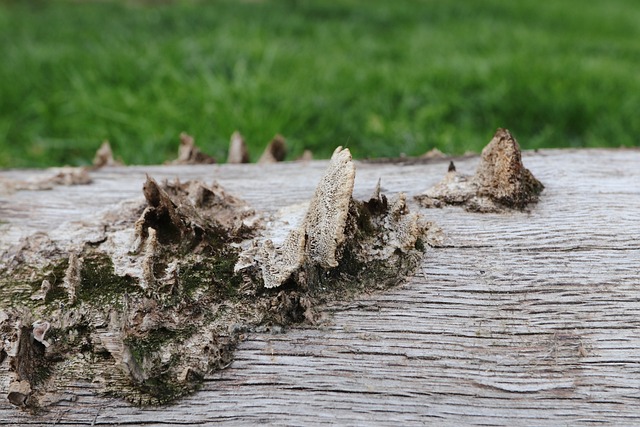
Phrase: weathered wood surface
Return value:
(520, 319)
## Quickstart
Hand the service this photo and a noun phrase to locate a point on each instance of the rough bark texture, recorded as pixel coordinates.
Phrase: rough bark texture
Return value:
(518, 318)
(501, 182)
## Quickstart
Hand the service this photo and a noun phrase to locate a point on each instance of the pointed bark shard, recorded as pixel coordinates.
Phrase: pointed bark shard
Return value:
(327, 215)
(238, 152)
(190, 154)
(276, 151)
(434, 153)
(501, 175)
(374, 233)
(317, 239)
(71, 176)
(72, 277)
(104, 157)
(306, 156)
(500, 183)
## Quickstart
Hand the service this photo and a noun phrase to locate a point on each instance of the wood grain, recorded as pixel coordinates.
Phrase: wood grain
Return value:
(527, 318)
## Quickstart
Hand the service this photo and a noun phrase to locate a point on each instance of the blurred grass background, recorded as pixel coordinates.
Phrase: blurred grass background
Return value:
(382, 77)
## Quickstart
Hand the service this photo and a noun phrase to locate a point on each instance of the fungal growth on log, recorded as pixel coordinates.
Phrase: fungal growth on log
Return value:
(317, 239)
(500, 183)
(162, 301)
(338, 231)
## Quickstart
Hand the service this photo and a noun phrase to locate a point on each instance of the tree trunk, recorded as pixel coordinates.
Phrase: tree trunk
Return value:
(517, 318)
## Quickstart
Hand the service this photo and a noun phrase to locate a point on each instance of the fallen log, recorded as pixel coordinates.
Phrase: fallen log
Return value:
(523, 317)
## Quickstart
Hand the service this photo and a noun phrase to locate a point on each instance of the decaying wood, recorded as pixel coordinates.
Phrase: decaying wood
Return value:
(188, 295)
(190, 154)
(238, 152)
(501, 181)
(104, 157)
(517, 318)
(275, 151)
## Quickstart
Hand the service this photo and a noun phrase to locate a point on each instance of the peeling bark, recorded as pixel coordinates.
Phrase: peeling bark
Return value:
(172, 308)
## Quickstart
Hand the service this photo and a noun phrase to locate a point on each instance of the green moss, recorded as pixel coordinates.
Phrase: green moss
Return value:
(99, 284)
(162, 389)
(142, 347)
(152, 342)
(214, 275)
(19, 285)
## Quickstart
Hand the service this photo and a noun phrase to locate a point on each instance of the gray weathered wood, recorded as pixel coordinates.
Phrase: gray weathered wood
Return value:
(522, 318)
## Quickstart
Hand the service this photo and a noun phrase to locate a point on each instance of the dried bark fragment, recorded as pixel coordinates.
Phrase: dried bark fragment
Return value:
(104, 157)
(501, 175)
(327, 215)
(27, 357)
(238, 152)
(72, 277)
(180, 213)
(40, 329)
(71, 176)
(454, 189)
(190, 154)
(317, 239)
(306, 156)
(19, 392)
(336, 226)
(276, 151)
(61, 176)
(278, 264)
(434, 153)
(500, 183)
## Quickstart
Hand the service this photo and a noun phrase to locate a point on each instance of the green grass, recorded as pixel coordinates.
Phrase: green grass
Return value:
(383, 77)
